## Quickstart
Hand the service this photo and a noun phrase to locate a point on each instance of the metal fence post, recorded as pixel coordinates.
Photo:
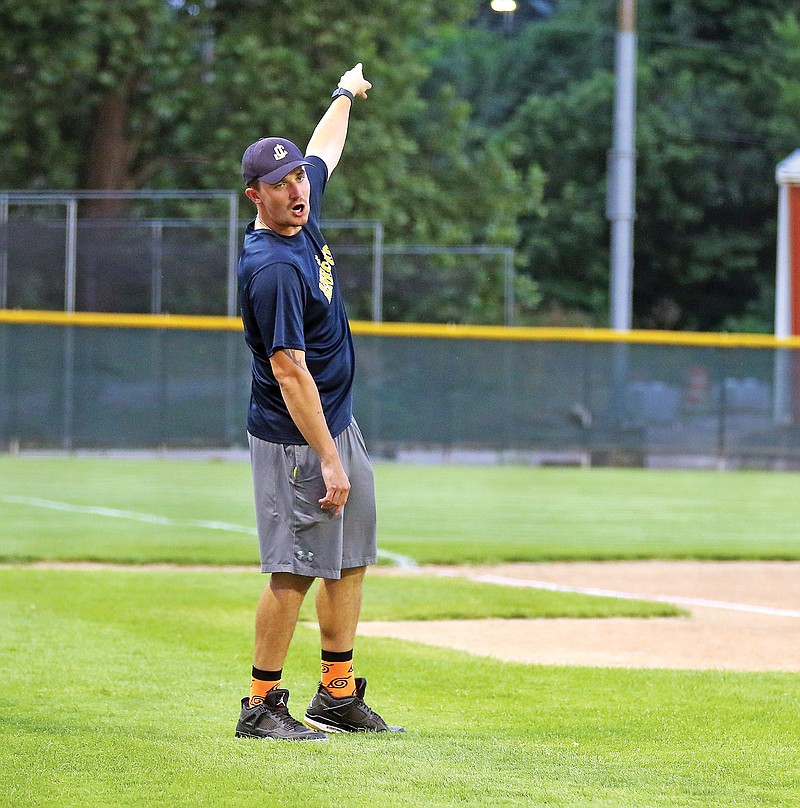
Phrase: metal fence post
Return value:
(232, 428)
(72, 255)
(377, 272)
(70, 293)
(233, 251)
(3, 251)
(7, 392)
(722, 459)
(156, 268)
(508, 272)
(67, 439)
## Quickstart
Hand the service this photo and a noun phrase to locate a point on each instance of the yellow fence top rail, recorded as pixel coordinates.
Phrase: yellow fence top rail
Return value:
(192, 322)
(109, 320)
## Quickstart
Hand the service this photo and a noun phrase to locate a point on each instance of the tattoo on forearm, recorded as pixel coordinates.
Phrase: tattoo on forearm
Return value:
(295, 356)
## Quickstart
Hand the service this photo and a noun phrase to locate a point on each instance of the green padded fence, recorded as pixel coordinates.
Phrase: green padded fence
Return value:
(109, 382)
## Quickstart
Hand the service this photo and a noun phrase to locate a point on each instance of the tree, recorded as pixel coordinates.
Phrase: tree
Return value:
(519, 89)
(717, 107)
(707, 196)
(168, 93)
(89, 87)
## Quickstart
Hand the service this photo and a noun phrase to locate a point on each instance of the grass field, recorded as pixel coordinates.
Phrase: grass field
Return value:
(120, 687)
(201, 512)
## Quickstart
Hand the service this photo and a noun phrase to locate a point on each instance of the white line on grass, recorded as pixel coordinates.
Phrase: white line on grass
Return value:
(149, 518)
(404, 561)
(155, 519)
(610, 593)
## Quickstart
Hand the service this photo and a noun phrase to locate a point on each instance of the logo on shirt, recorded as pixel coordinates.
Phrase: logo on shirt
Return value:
(325, 272)
(279, 152)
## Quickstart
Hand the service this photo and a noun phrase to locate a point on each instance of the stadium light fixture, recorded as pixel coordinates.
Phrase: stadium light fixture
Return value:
(504, 6)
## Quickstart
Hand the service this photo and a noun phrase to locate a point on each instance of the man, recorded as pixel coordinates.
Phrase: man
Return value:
(314, 490)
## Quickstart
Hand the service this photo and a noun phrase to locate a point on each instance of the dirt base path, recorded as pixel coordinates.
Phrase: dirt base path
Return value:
(743, 616)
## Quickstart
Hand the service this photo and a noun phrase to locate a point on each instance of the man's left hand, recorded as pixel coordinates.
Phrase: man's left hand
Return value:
(354, 81)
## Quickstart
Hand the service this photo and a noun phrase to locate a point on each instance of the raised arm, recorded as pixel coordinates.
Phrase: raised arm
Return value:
(328, 138)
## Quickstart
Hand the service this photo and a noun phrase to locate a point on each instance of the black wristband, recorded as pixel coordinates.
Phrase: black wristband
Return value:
(341, 91)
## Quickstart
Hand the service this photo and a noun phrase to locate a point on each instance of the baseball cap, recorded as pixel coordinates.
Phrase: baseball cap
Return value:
(271, 159)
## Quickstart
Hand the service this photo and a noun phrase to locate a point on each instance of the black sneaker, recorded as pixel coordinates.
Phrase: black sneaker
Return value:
(348, 714)
(271, 719)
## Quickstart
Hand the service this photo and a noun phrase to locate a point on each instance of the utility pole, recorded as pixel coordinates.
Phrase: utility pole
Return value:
(620, 208)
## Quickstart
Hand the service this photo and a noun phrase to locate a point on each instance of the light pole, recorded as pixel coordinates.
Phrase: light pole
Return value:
(622, 169)
(507, 9)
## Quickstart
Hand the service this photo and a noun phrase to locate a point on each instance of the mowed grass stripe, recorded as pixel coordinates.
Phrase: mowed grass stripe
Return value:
(432, 514)
(529, 514)
(163, 521)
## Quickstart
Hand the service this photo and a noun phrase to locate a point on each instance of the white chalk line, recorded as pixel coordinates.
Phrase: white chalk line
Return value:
(155, 519)
(406, 562)
(611, 593)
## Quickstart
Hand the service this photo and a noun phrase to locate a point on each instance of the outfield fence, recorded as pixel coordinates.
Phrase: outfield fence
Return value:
(73, 381)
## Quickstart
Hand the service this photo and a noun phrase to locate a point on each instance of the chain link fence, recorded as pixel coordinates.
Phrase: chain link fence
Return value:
(532, 399)
(416, 397)
(176, 252)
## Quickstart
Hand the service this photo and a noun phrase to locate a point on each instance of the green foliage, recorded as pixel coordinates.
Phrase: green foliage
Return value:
(707, 197)
(718, 107)
(498, 74)
(168, 95)
(67, 66)
(470, 136)
(565, 247)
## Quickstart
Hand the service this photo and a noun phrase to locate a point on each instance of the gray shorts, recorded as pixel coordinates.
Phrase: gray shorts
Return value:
(294, 533)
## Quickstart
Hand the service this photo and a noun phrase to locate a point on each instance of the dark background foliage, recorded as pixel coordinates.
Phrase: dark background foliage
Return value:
(480, 129)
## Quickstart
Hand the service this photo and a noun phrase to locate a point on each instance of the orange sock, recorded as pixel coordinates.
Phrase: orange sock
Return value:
(337, 673)
(261, 683)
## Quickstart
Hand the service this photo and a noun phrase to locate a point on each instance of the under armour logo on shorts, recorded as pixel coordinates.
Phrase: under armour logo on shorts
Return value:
(304, 555)
(279, 152)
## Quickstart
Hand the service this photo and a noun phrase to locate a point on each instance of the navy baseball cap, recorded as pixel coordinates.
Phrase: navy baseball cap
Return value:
(271, 159)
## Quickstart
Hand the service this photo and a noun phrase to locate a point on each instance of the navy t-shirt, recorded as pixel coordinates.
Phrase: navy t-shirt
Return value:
(290, 299)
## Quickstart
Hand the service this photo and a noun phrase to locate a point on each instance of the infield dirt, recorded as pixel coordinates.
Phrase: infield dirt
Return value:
(731, 636)
(738, 634)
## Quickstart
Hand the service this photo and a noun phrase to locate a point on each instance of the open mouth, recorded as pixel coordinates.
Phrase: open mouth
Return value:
(299, 209)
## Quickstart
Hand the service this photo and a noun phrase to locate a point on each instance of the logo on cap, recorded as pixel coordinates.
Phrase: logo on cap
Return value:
(279, 152)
